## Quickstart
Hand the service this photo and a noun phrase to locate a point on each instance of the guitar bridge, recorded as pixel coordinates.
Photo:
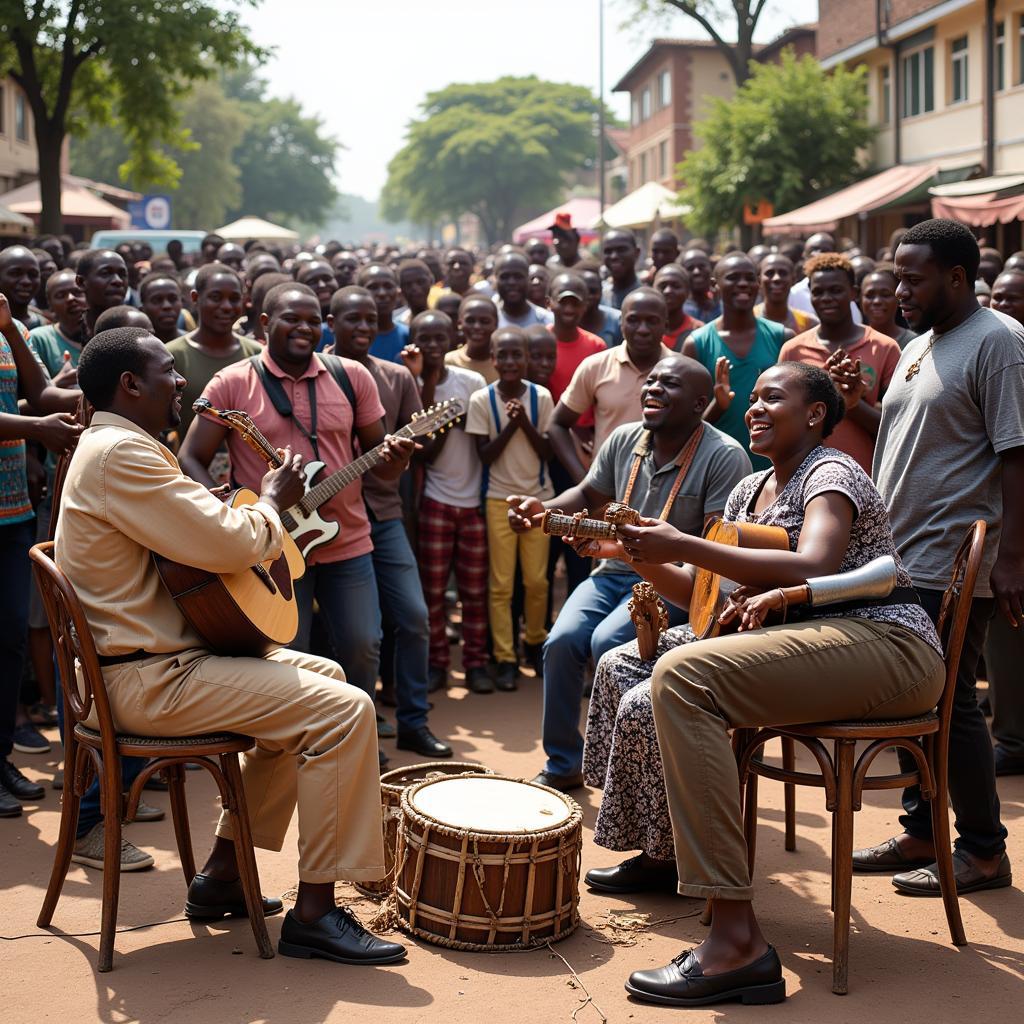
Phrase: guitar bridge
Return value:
(265, 578)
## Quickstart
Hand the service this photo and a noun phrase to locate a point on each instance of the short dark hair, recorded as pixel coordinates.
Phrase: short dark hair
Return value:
(105, 358)
(819, 388)
(210, 239)
(91, 257)
(262, 287)
(273, 298)
(342, 295)
(951, 243)
(367, 272)
(121, 316)
(208, 270)
(413, 263)
(421, 318)
(151, 279)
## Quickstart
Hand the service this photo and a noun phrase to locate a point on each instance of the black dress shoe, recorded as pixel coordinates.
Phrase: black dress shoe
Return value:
(9, 807)
(1007, 763)
(505, 676)
(210, 899)
(563, 783)
(682, 983)
(533, 655)
(17, 785)
(424, 742)
(336, 936)
(632, 876)
(925, 881)
(478, 681)
(886, 857)
(437, 679)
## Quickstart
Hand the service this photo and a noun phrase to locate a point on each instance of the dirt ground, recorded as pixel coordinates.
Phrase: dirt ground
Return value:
(902, 966)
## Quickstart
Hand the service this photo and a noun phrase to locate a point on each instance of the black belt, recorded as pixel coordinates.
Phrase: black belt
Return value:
(106, 660)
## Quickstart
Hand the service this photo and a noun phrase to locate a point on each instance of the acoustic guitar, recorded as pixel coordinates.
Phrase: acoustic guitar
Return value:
(308, 529)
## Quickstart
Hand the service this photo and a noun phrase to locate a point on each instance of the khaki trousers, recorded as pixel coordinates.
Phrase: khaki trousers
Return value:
(316, 746)
(819, 671)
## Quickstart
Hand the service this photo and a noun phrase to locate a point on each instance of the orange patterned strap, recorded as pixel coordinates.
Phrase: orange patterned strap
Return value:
(685, 460)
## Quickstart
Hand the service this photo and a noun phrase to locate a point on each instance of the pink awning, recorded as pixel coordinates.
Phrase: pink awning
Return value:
(584, 214)
(979, 211)
(863, 197)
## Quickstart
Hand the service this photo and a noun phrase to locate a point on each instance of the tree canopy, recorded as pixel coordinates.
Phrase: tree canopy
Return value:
(708, 15)
(83, 61)
(791, 133)
(245, 152)
(494, 149)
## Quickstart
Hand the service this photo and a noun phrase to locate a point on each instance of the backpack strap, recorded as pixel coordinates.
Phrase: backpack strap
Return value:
(336, 368)
(534, 414)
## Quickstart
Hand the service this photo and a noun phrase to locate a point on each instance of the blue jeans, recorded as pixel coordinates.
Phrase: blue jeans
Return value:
(593, 620)
(15, 580)
(347, 594)
(405, 613)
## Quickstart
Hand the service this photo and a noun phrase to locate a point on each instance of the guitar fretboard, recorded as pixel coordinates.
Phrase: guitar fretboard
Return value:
(568, 526)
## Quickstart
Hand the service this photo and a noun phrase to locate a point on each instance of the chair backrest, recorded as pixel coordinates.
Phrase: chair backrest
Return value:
(955, 612)
(80, 672)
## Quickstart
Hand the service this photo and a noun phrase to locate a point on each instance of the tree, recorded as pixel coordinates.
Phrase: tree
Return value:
(789, 134)
(80, 61)
(493, 149)
(707, 14)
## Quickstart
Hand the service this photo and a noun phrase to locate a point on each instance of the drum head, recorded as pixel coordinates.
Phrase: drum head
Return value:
(503, 806)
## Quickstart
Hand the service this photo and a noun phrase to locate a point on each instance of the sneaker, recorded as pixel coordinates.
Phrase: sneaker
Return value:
(29, 740)
(147, 812)
(43, 714)
(89, 851)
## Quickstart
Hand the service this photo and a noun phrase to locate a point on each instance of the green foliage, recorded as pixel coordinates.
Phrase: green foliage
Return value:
(83, 61)
(791, 133)
(495, 149)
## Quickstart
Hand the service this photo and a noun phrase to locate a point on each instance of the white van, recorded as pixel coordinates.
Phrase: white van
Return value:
(190, 240)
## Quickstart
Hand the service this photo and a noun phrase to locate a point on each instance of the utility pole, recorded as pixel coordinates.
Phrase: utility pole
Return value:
(600, 107)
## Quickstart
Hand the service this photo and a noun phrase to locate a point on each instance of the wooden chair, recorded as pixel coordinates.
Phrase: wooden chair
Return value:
(844, 777)
(88, 751)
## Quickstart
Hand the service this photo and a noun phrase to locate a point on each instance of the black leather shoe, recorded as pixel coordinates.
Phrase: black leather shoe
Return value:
(9, 807)
(1007, 763)
(563, 783)
(17, 785)
(533, 655)
(886, 857)
(424, 742)
(437, 679)
(505, 676)
(682, 983)
(336, 936)
(478, 681)
(210, 899)
(925, 881)
(632, 876)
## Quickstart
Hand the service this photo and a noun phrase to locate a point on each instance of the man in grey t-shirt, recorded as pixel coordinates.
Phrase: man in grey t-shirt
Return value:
(950, 450)
(595, 619)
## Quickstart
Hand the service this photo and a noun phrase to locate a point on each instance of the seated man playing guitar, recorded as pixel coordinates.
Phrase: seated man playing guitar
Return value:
(126, 499)
(296, 399)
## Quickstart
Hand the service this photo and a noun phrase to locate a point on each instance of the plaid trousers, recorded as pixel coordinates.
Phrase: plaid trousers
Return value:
(452, 537)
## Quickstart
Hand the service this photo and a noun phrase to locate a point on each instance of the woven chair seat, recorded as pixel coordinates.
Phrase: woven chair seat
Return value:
(167, 746)
(881, 728)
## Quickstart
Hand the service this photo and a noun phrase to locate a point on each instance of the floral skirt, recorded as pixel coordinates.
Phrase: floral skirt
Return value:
(621, 754)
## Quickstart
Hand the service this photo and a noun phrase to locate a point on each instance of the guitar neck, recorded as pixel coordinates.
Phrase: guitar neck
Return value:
(254, 438)
(557, 525)
(330, 486)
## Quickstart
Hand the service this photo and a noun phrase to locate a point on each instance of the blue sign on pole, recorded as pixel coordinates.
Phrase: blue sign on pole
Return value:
(153, 212)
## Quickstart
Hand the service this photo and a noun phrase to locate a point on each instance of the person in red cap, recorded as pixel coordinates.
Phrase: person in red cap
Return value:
(566, 240)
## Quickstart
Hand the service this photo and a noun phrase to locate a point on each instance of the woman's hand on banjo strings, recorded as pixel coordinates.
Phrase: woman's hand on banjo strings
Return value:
(652, 541)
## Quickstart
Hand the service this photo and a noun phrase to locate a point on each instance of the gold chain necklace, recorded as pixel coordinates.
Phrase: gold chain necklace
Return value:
(915, 367)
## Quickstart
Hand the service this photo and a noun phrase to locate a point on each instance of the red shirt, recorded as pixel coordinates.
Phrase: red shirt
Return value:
(674, 339)
(238, 387)
(569, 355)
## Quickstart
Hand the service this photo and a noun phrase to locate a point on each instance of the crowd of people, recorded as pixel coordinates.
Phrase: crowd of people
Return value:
(802, 384)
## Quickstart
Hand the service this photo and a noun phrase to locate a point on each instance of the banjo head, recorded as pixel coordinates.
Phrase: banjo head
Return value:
(709, 589)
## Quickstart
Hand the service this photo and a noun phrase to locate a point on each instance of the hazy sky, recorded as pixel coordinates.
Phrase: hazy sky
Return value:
(364, 66)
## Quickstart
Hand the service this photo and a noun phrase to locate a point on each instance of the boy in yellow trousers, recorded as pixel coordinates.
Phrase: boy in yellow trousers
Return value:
(509, 419)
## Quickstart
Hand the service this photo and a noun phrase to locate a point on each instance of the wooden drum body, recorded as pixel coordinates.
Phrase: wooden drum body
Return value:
(488, 863)
(392, 785)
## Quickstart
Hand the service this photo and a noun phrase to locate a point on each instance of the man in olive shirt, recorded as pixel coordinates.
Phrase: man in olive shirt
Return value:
(125, 498)
(353, 318)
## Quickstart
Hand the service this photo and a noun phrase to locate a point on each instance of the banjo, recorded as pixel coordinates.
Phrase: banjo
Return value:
(306, 527)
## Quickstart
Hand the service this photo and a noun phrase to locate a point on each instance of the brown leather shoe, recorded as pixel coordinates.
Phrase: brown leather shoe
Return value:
(886, 856)
(969, 877)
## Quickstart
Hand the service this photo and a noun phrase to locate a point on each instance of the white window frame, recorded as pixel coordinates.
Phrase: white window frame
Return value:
(907, 63)
(959, 82)
(20, 117)
(645, 104)
(999, 56)
(664, 88)
(885, 94)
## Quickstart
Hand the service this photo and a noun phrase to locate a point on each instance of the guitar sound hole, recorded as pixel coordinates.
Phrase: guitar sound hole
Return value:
(282, 577)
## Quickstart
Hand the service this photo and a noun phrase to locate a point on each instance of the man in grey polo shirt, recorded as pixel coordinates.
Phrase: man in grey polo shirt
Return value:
(950, 450)
(595, 619)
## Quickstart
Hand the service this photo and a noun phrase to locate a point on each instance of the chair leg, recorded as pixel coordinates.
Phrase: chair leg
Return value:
(179, 815)
(789, 764)
(110, 786)
(750, 820)
(842, 864)
(943, 852)
(246, 855)
(70, 806)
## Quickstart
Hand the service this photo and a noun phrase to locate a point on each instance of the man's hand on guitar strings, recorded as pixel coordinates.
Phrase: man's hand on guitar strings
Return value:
(398, 450)
(284, 486)
(221, 491)
(652, 541)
